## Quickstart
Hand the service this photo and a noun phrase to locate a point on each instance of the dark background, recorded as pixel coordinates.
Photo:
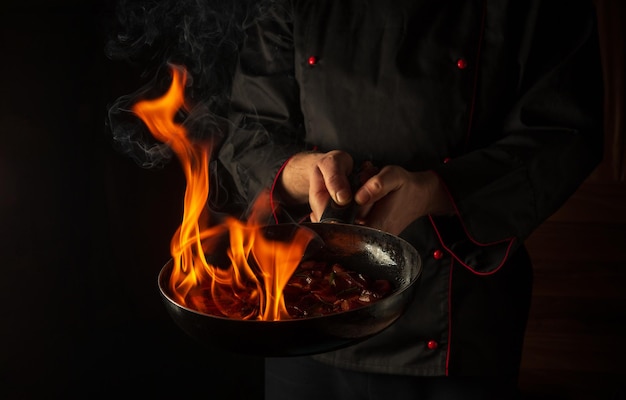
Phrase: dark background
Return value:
(84, 230)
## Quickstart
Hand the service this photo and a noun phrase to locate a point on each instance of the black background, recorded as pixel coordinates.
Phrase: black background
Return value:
(84, 230)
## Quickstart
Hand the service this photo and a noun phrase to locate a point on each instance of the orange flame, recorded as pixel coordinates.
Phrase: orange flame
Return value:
(251, 287)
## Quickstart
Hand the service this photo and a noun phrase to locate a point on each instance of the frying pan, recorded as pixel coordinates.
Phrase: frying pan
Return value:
(366, 250)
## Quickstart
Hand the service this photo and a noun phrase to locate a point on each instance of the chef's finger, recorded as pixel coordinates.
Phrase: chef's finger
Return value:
(318, 195)
(389, 179)
(335, 167)
(363, 213)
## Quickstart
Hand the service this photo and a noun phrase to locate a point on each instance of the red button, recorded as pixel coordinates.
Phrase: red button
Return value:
(432, 344)
(312, 60)
(461, 63)
(446, 160)
(437, 254)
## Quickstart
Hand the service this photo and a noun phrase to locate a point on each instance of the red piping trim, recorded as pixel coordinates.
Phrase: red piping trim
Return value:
(273, 188)
(511, 240)
(475, 86)
(506, 255)
(275, 182)
(456, 211)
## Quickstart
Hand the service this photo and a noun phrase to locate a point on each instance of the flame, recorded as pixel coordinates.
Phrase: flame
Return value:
(251, 287)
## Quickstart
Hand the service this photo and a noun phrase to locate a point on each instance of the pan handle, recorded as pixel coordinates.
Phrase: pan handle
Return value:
(343, 214)
(337, 213)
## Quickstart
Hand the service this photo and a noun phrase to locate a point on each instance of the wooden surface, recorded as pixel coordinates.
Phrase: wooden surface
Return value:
(575, 343)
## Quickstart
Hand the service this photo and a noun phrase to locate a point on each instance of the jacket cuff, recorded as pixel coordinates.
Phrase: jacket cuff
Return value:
(456, 239)
(274, 197)
(480, 258)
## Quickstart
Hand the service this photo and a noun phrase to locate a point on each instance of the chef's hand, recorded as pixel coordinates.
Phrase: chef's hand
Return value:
(389, 199)
(395, 197)
(315, 177)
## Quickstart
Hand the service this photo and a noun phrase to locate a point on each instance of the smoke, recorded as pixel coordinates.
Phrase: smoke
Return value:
(202, 35)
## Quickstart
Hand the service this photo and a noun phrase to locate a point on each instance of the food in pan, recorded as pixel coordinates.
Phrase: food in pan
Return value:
(319, 288)
(315, 289)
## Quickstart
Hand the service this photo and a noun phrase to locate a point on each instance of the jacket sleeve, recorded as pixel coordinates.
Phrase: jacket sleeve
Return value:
(266, 121)
(552, 141)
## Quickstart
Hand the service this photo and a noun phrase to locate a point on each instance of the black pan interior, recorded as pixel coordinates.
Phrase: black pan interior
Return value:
(369, 251)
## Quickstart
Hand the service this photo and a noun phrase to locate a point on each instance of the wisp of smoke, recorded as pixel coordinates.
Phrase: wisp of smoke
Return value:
(202, 35)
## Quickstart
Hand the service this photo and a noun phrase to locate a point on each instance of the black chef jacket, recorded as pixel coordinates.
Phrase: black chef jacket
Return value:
(502, 99)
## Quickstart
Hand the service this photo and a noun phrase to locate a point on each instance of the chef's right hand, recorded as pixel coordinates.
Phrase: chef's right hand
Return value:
(315, 177)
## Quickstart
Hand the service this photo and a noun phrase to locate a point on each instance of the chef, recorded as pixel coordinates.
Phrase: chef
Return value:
(476, 120)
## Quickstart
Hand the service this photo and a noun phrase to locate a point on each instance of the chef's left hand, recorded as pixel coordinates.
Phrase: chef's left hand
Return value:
(395, 197)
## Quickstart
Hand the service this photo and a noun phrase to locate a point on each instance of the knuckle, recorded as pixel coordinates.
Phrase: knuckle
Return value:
(375, 184)
(333, 179)
(334, 158)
